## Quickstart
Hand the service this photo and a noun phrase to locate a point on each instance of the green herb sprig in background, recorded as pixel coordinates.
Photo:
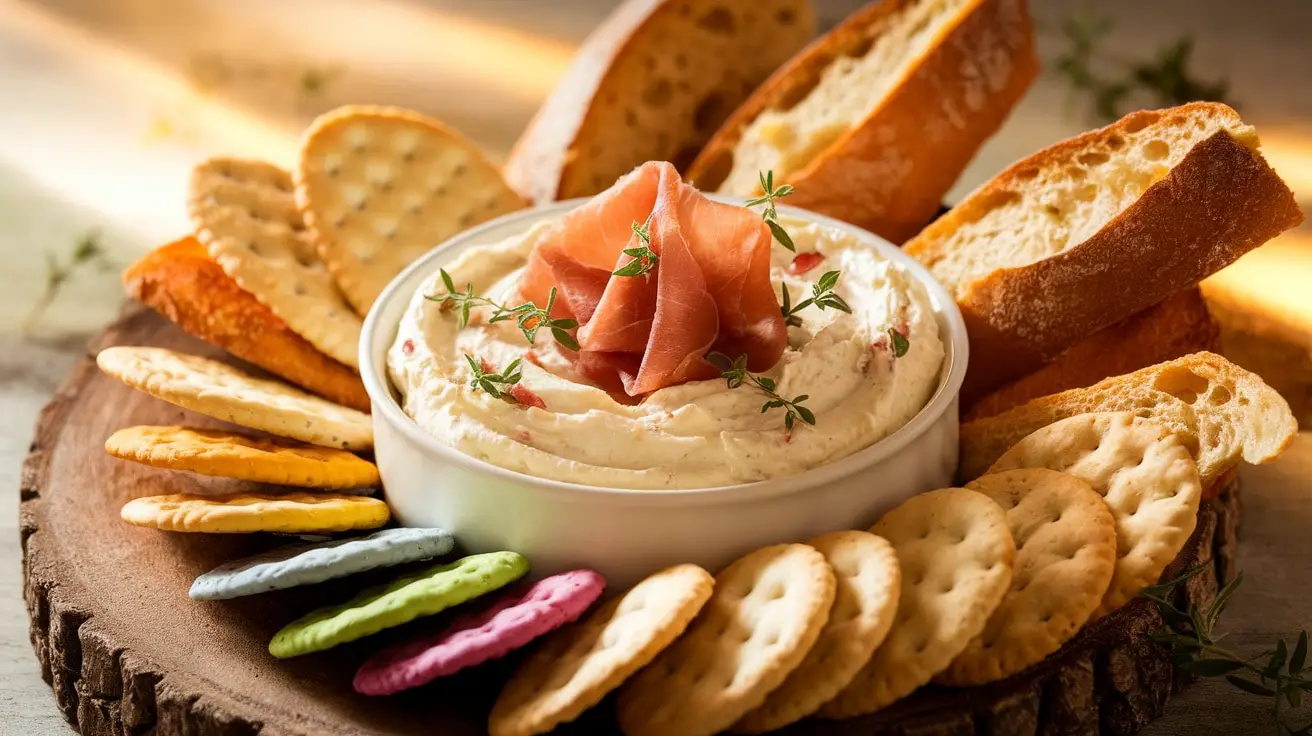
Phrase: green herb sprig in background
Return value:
(1166, 77)
(87, 251)
(1281, 673)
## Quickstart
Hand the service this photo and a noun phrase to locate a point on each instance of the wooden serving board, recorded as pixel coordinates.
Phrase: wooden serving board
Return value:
(126, 651)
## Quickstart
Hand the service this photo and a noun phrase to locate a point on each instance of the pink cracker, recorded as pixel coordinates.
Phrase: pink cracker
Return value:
(509, 622)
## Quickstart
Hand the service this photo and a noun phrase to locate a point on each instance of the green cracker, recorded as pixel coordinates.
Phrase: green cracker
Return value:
(405, 599)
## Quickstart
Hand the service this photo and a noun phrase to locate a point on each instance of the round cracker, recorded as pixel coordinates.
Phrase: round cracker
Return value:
(956, 556)
(868, 585)
(381, 186)
(246, 513)
(229, 455)
(1065, 555)
(245, 214)
(767, 610)
(1145, 474)
(223, 392)
(577, 666)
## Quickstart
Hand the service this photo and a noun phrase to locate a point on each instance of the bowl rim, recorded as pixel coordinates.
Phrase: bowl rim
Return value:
(377, 382)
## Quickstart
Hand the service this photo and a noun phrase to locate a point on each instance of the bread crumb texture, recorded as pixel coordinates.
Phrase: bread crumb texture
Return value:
(1061, 196)
(851, 87)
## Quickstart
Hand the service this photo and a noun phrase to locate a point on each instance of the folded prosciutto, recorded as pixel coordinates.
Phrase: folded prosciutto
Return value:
(709, 290)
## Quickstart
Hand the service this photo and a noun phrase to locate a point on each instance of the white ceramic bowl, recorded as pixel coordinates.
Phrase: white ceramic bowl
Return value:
(628, 534)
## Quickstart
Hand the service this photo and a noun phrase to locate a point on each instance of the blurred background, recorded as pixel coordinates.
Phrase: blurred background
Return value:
(106, 104)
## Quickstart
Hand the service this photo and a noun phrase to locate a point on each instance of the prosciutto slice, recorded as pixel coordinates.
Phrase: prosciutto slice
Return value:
(709, 291)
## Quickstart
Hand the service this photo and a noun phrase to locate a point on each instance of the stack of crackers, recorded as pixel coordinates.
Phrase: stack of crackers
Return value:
(959, 586)
(280, 270)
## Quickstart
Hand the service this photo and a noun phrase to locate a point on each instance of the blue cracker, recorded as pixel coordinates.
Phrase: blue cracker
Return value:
(289, 567)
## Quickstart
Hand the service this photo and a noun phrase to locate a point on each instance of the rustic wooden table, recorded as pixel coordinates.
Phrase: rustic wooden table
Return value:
(107, 104)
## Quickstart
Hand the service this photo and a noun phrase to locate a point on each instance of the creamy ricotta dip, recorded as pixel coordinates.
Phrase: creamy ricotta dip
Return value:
(695, 435)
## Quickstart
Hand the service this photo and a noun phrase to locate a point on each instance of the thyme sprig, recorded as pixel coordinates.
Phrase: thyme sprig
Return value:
(495, 384)
(734, 372)
(770, 194)
(1166, 77)
(1282, 674)
(87, 251)
(644, 258)
(528, 315)
(822, 296)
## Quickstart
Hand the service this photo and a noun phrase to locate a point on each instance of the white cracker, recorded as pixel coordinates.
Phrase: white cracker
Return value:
(223, 392)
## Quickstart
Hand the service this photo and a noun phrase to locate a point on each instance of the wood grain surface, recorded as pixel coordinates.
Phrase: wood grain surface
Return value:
(125, 650)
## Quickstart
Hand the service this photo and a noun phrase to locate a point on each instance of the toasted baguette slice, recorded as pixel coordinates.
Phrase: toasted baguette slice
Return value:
(1221, 411)
(874, 122)
(652, 83)
(1099, 227)
(181, 282)
(1177, 326)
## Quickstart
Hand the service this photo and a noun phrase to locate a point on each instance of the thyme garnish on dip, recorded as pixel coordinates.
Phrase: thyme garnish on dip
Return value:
(528, 316)
(494, 384)
(735, 374)
(644, 258)
(822, 296)
(769, 214)
(899, 342)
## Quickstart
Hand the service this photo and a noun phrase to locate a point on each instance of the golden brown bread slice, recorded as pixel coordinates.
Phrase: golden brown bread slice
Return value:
(1098, 227)
(874, 121)
(1177, 326)
(1221, 411)
(652, 83)
(182, 282)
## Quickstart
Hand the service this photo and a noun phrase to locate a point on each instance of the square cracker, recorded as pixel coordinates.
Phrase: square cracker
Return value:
(956, 555)
(577, 666)
(223, 392)
(381, 186)
(767, 610)
(245, 214)
(1145, 474)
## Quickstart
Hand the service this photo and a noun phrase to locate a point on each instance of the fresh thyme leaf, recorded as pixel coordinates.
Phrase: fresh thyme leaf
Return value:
(781, 235)
(492, 383)
(822, 296)
(900, 343)
(644, 258)
(770, 214)
(734, 372)
(527, 316)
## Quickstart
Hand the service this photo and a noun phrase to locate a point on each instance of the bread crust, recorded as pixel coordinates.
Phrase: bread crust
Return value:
(1221, 201)
(888, 174)
(1223, 413)
(181, 282)
(1177, 326)
(544, 164)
